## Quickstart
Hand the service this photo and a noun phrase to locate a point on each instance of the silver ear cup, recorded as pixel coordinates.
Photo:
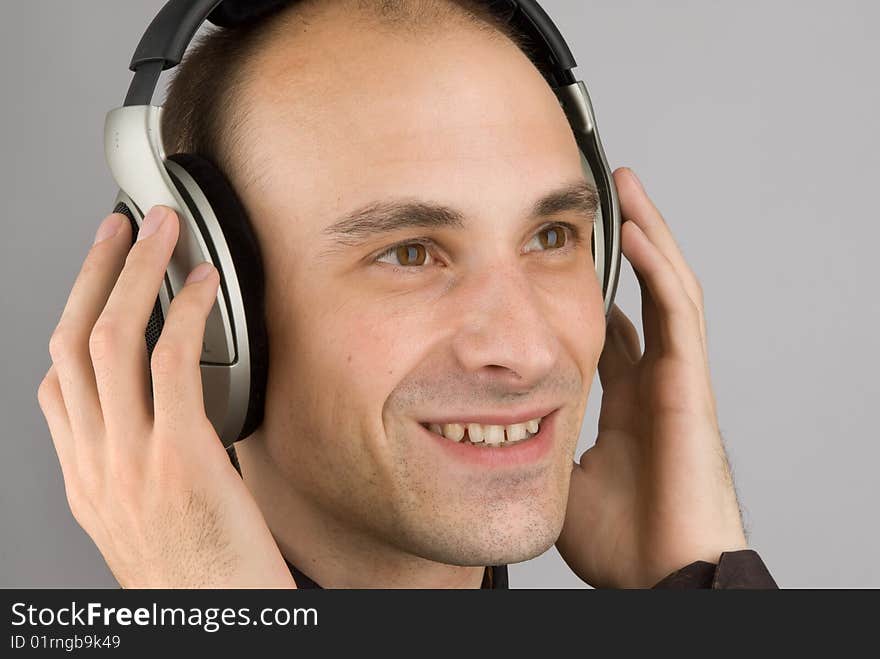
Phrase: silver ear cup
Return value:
(136, 158)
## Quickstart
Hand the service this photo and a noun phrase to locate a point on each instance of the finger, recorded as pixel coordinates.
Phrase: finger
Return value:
(619, 353)
(69, 343)
(117, 344)
(636, 206)
(177, 381)
(51, 402)
(677, 319)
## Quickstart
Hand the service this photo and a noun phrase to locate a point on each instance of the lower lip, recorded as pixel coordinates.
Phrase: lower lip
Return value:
(528, 451)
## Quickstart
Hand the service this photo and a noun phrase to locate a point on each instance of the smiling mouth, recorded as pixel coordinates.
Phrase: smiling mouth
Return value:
(488, 436)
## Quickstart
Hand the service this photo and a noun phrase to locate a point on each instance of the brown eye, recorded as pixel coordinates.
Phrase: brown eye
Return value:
(412, 254)
(552, 237)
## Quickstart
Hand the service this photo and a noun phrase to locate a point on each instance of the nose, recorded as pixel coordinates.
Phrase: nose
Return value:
(503, 330)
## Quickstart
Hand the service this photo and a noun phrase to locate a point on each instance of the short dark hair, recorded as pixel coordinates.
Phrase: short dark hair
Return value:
(199, 110)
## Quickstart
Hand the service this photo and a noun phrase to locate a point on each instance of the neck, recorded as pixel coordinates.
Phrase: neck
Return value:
(331, 553)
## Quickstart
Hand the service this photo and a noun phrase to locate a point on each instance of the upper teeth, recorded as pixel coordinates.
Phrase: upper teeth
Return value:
(492, 435)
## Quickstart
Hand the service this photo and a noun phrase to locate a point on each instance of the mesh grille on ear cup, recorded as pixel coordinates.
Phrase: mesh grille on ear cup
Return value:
(157, 319)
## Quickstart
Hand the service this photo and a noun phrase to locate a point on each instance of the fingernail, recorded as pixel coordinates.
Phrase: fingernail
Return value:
(152, 222)
(199, 273)
(109, 227)
(636, 179)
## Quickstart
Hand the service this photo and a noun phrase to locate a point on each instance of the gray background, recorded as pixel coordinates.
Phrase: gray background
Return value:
(754, 128)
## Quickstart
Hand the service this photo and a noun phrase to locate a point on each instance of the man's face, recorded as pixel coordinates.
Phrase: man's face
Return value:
(495, 316)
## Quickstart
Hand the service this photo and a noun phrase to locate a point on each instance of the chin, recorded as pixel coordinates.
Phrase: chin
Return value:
(500, 538)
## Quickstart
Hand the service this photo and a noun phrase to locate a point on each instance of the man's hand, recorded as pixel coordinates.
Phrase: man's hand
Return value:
(148, 480)
(655, 492)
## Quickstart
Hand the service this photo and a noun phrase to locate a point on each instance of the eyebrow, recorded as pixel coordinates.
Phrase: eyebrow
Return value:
(381, 217)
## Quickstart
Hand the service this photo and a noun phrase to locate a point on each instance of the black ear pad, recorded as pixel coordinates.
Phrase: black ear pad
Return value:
(245, 252)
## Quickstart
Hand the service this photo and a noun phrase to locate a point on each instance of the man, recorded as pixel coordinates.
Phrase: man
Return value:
(434, 324)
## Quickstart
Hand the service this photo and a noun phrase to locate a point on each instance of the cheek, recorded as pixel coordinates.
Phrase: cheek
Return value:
(379, 348)
(375, 350)
(339, 365)
(578, 317)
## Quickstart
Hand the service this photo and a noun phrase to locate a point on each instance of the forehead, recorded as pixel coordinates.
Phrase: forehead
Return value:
(457, 117)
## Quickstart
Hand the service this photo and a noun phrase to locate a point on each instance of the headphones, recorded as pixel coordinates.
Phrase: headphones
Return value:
(214, 226)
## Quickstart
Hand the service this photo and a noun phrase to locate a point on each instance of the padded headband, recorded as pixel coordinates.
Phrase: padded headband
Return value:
(168, 36)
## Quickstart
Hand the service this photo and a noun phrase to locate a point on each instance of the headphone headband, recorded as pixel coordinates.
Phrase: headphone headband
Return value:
(171, 31)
